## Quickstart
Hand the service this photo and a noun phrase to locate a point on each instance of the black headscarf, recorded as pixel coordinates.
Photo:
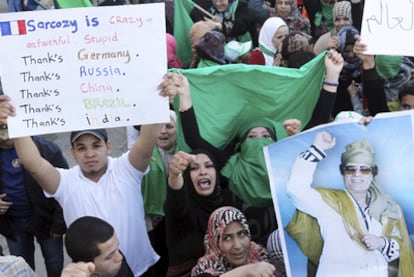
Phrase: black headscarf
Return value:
(203, 205)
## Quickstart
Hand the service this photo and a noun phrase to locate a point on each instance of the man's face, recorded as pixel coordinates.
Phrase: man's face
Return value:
(91, 154)
(358, 177)
(109, 262)
(167, 139)
(407, 102)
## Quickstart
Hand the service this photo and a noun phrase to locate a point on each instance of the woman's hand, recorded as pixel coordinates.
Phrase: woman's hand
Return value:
(292, 126)
(334, 62)
(79, 269)
(173, 84)
(333, 42)
(259, 269)
(179, 163)
(368, 61)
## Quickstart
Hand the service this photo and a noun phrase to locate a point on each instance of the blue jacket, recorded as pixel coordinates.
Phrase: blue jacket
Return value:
(47, 215)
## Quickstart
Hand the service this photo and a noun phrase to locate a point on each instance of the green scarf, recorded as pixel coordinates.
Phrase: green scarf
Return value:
(154, 186)
(247, 173)
(205, 63)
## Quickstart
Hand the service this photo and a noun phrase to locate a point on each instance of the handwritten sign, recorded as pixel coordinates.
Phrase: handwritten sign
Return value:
(84, 68)
(388, 27)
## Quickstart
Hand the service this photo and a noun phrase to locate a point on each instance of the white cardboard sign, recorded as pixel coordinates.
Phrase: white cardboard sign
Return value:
(84, 68)
(388, 27)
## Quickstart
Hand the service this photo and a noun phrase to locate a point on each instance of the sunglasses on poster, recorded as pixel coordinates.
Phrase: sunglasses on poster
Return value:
(363, 169)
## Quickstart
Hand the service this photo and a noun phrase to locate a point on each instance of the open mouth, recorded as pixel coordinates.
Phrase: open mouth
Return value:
(204, 183)
(163, 138)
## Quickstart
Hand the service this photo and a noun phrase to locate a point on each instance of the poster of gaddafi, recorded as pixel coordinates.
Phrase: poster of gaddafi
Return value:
(343, 195)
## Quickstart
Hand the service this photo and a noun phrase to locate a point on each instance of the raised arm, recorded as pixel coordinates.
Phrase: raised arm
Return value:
(140, 153)
(42, 171)
(189, 124)
(306, 198)
(373, 85)
(323, 109)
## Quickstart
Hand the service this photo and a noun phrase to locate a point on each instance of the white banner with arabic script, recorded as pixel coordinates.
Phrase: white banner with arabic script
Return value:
(388, 27)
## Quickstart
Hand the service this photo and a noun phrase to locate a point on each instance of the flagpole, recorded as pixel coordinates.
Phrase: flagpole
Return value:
(203, 10)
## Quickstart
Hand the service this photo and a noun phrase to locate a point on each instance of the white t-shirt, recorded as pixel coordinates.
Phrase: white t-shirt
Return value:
(115, 198)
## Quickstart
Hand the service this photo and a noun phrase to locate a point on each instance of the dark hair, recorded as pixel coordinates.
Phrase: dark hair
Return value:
(406, 89)
(300, 58)
(211, 47)
(84, 235)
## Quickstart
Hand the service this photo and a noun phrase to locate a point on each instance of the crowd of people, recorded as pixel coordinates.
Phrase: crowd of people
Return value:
(202, 209)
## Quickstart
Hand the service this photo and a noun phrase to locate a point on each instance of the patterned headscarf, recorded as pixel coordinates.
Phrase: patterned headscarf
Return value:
(214, 261)
(269, 28)
(342, 8)
(295, 20)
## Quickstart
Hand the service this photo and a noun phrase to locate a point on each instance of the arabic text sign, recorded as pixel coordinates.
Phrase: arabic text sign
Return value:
(388, 27)
(84, 68)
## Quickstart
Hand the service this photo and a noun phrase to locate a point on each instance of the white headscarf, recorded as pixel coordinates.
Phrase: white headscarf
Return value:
(268, 30)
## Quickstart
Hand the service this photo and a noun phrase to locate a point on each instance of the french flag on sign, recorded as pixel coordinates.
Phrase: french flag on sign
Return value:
(11, 28)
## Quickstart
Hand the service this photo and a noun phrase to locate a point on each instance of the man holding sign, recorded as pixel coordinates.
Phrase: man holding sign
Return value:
(102, 186)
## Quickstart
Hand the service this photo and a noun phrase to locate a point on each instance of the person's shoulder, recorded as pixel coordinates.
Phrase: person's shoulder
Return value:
(15, 266)
(45, 144)
(243, 4)
(257, 57)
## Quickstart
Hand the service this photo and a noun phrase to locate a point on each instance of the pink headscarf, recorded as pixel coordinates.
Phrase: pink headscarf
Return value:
(173, 61)
(214, 261)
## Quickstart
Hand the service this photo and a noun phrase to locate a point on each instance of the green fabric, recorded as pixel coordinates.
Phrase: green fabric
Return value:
(327, 14)
(205, 63)
(305, 230)
(234, 9)
(260, 122)
(182, 26)
(388, 66)
(247, 174)
(318, 19)
(65, 4)
(246, 36)
(154, 186)
(224, 96)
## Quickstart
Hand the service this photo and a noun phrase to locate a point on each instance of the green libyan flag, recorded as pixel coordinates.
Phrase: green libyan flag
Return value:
(182, 26)
(65, 4)
(225, 96)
